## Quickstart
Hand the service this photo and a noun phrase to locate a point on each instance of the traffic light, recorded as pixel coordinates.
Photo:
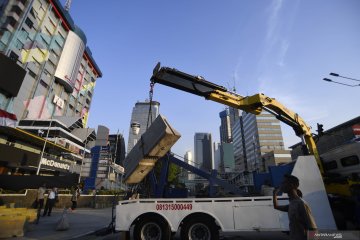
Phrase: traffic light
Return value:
(320, 129)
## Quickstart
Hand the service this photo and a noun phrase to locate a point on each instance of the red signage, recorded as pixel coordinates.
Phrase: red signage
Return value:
(356, 129)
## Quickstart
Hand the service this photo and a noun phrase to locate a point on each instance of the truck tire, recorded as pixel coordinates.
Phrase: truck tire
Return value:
(199, 228)
(152, 228)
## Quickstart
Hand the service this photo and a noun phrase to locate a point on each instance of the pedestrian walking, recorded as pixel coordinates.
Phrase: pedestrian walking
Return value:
(40, 200)
(50, 202)
(93, 198)
(299, 212)
(56, 195)
(74, 198)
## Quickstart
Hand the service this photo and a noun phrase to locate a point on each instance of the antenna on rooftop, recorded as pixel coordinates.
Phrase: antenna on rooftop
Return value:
(67, 5)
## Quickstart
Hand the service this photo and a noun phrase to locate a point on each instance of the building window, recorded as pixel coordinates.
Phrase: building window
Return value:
(32, 74)
(44, 84)
(52, 22)
(24, 34)
(53, 52)
(33, 12)
(43, 41)
(2, 46)
(46, 72)
(350, 161)
(330, 165)
(48, 31)
(51, 63)
(61, 36)
(58, 44)
(16, 9)
(36, 62)
(19, 45)
(13, 56)
(11, 21)
(29, 23)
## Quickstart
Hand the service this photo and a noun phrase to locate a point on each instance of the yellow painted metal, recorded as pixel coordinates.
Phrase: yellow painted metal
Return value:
(252, 104)
(257, 103)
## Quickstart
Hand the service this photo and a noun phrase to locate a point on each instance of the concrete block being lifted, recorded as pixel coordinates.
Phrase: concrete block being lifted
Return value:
(152, 145)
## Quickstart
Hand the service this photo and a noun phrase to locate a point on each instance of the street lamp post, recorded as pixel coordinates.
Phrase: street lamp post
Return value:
(341, 83)
(338, 75)
(43, 149)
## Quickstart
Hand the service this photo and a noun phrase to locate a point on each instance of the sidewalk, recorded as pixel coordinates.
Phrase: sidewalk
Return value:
(82, 221)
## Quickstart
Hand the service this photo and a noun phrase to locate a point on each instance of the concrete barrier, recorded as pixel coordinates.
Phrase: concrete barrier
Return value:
(153, 144)
(12, 226)
(13, 220)
(85, 201)
(30, 214)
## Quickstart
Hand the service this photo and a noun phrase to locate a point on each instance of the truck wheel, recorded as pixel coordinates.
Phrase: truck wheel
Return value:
(152, 228)
(199, 228)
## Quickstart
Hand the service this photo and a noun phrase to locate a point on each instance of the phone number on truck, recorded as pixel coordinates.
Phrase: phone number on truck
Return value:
(173, 206)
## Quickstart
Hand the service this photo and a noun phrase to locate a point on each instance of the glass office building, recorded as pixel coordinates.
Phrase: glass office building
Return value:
(203, 157)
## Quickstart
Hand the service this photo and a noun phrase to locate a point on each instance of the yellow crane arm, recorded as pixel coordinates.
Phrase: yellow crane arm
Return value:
(253, 104)
(257, 103)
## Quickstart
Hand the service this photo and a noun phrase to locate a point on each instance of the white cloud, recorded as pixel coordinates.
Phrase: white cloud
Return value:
(284, 46)
(273, 19)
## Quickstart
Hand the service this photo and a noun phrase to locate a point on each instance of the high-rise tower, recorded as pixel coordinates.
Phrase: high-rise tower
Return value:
(188, 158)
(203, 151)
(117, 147)
(228, 118)
(262, 134)
(140, 117)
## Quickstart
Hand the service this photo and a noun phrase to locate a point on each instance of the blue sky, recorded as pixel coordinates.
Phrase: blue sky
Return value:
(281, 48)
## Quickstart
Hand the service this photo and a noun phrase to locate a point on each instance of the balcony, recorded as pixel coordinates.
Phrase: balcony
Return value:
(14, 16)
(21, 5)
(9, 27)
(32, 66)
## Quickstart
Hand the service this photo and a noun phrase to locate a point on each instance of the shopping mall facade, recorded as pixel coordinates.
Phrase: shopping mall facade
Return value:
(47, 81)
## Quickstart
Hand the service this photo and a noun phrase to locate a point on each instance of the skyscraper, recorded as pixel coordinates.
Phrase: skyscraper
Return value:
(239, 146)
(44, 43)
(140, 115)
(217, 155)
(228, 118)
(227, 163)
(117, 148)
(203, 151)
(188, 158)
(262, 134)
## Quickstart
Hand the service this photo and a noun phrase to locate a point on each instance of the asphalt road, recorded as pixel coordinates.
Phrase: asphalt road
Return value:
(228, 236)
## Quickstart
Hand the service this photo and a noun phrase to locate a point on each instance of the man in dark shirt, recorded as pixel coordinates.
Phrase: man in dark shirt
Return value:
(299, 212)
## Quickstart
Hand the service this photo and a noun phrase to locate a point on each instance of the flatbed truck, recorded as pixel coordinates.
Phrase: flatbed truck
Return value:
(203, 218)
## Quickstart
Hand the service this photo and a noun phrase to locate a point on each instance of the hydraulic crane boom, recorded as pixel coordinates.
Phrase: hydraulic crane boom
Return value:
(253, 104)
